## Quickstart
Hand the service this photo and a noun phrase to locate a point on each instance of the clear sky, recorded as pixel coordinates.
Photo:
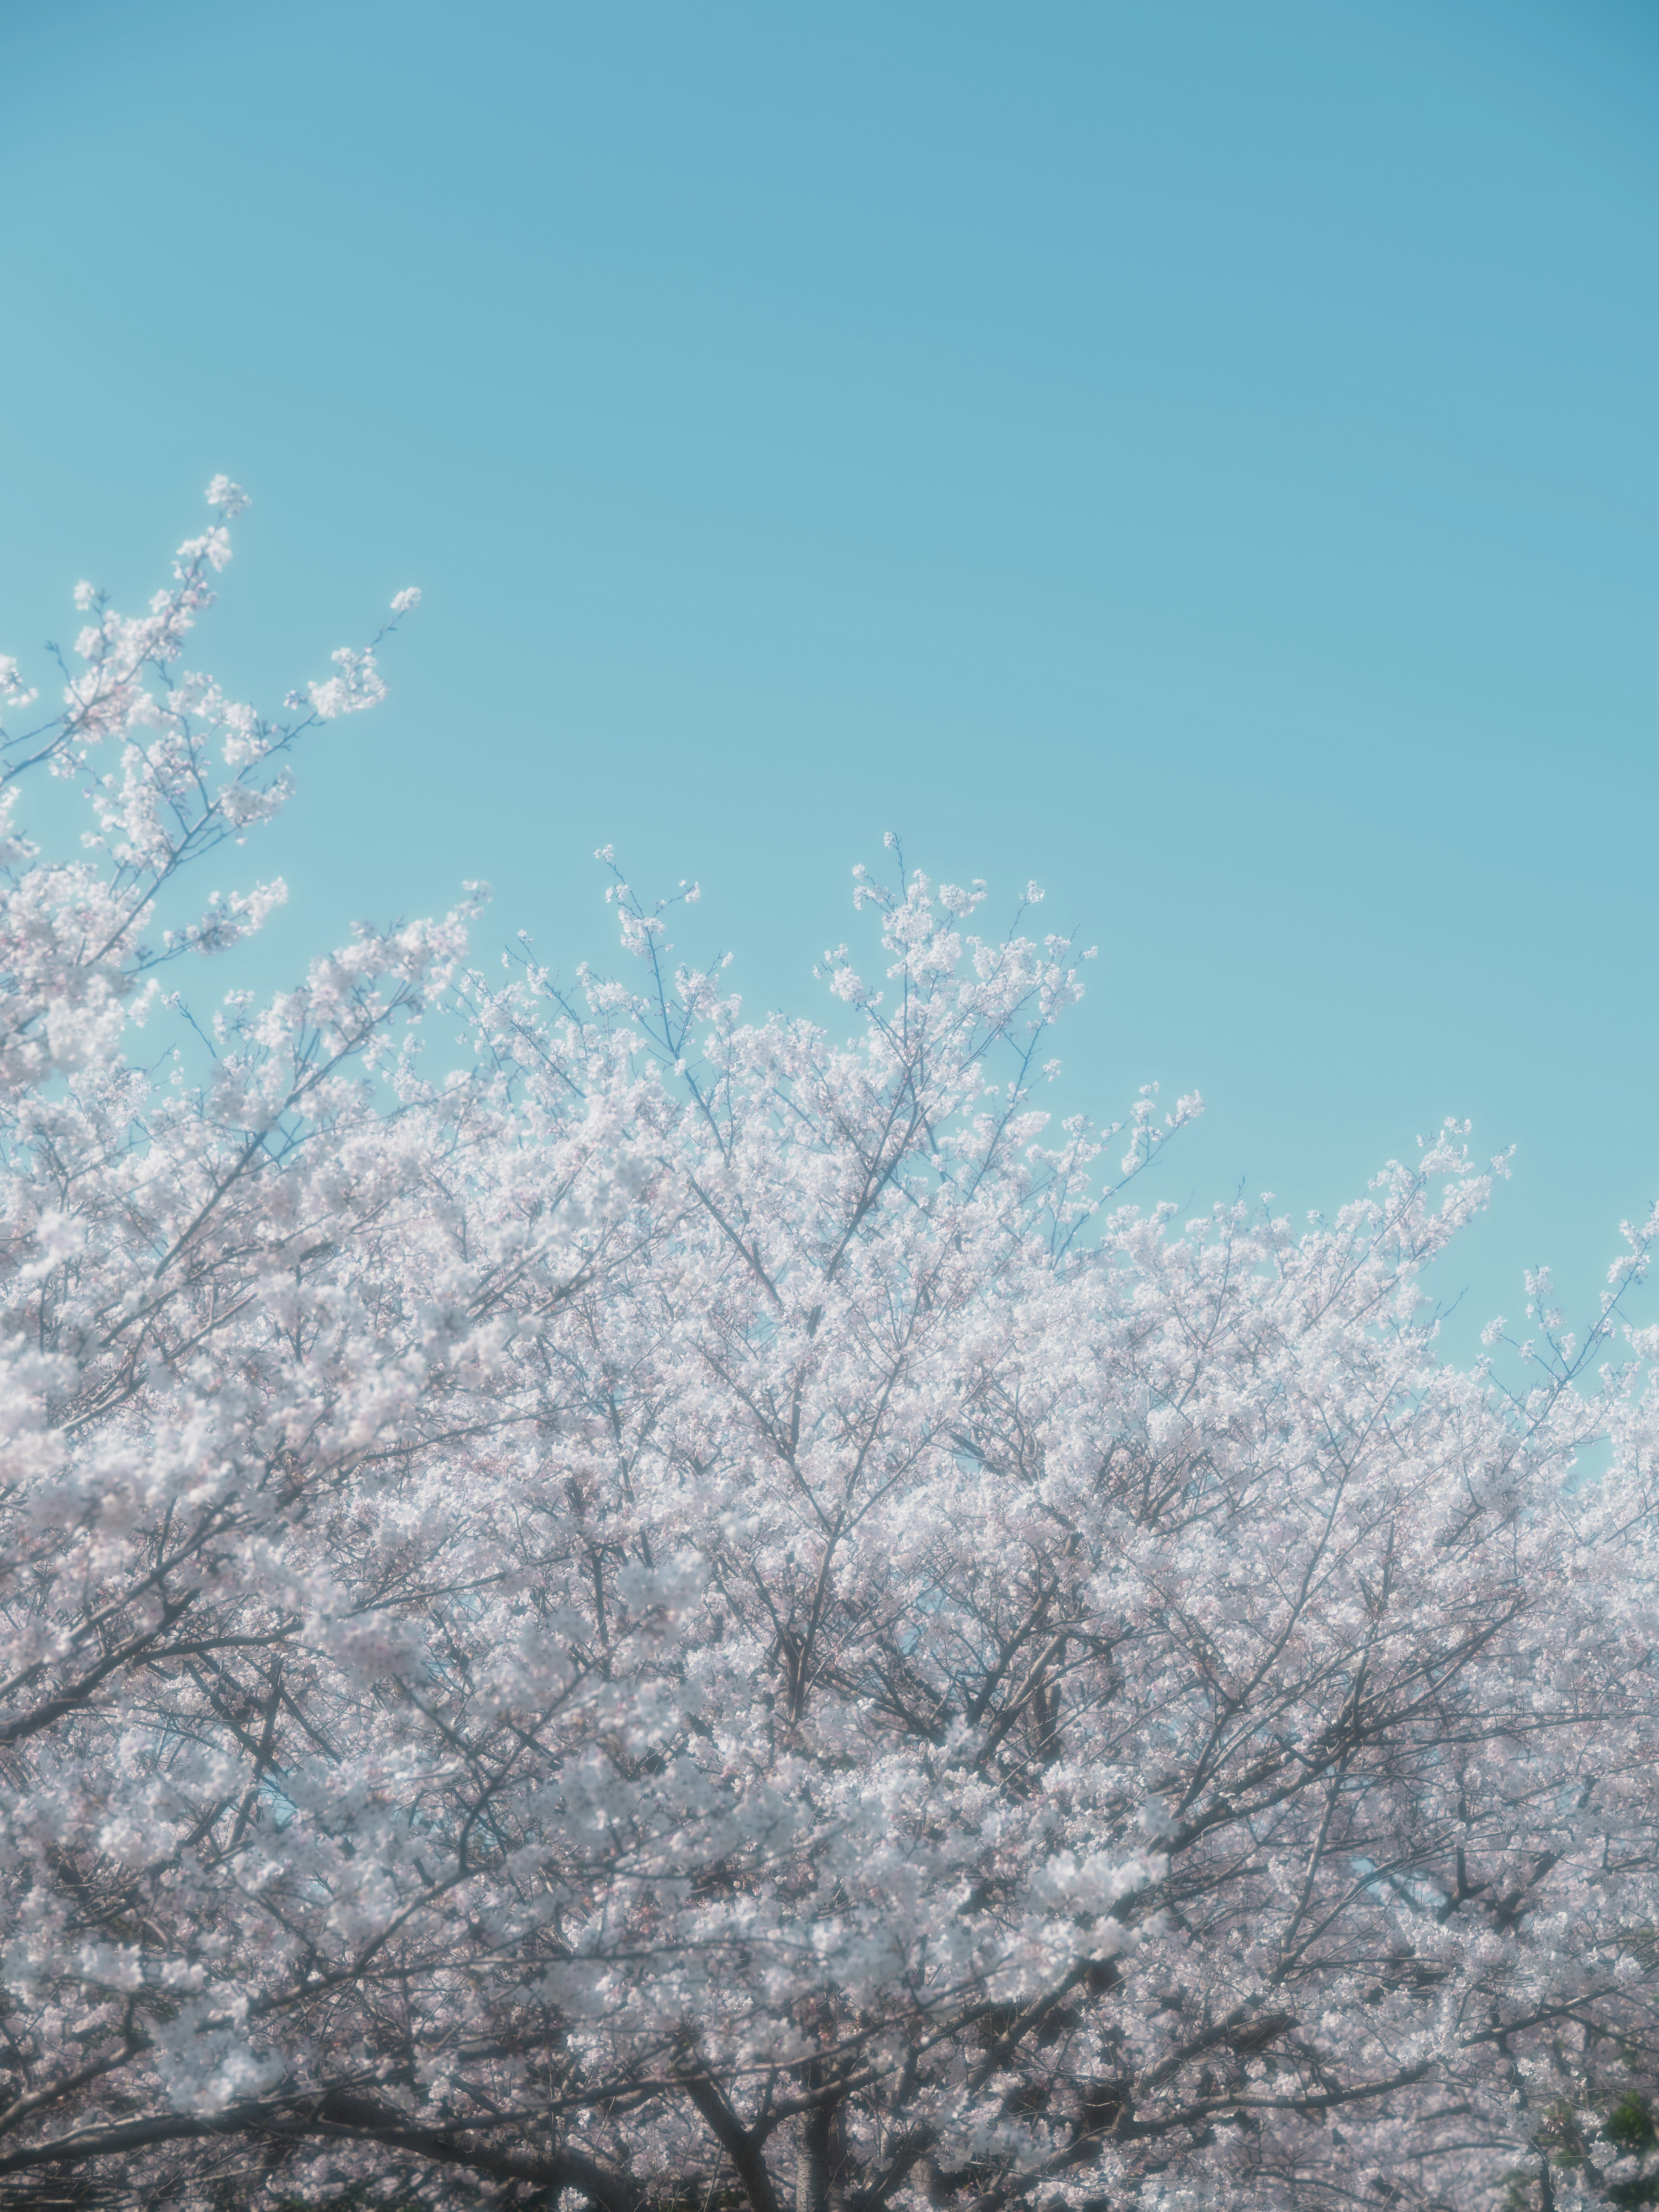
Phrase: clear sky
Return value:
(1203, 456)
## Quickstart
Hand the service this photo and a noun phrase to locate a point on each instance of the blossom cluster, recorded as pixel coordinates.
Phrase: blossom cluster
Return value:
(708, 1609)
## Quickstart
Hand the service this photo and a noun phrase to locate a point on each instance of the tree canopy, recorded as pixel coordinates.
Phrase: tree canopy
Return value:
(708, 1613)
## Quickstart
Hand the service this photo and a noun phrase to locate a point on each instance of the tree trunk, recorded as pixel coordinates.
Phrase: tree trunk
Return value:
(819, 2158)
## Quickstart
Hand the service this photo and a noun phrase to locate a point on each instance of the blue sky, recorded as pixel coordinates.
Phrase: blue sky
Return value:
(1201, 456)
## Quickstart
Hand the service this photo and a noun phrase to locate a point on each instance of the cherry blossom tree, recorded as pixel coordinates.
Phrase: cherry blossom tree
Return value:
(706, 1614)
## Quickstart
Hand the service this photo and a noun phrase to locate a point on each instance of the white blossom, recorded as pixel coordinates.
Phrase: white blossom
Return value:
(697, 1607)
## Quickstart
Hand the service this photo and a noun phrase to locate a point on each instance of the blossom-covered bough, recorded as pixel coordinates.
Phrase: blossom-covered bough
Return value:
(703, 1614)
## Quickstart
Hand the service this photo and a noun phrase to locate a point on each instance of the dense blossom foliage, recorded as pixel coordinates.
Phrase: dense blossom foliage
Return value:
(704, 1613)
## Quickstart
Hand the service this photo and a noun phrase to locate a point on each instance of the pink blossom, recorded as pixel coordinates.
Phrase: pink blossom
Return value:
(701, 1607)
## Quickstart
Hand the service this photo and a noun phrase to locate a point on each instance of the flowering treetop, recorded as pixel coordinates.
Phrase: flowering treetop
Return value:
(708, 1611)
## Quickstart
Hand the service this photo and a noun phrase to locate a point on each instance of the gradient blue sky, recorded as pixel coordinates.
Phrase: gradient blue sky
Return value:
(1201, 455)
